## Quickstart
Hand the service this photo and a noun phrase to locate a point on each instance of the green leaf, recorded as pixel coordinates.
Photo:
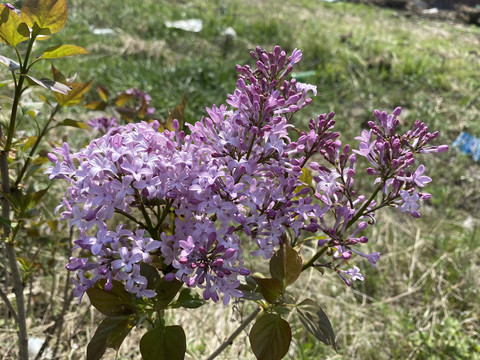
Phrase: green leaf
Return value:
(60, 51)
(51, 85)
(271, 288)
(270, 337)
(58, 75)
(250, 289)
(44, 99)
(166, 292)
(122, 99)
(114, 302)
(110, 333)
(75, 95)
(176, 113)
(5, 222)
(286, 264)
(31, 140)
(306, 178)
(168, 343)
(316, 322)
(126, 112)
(49, 15)
(188, 299)
(103, 92)
(38, 195)
(12, 29)
(151, 274)
(95, 105)
(9, 63)
(73, 123)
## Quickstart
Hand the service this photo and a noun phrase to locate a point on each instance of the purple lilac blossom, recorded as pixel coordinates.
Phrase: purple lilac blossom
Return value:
(103, 124)
(141, 101)
(236, 175)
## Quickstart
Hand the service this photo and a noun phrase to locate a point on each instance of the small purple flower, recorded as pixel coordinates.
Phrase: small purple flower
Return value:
(409, 201)
(355, 274)
(103, 124)
(418, 177)
(371, 258)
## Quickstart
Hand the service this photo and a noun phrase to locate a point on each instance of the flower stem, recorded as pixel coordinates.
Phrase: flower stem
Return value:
(232, 337)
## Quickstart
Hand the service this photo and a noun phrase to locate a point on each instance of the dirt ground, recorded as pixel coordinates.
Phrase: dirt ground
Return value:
(465, 11)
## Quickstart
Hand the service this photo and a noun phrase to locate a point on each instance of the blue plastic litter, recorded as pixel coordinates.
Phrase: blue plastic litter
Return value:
(468, 144)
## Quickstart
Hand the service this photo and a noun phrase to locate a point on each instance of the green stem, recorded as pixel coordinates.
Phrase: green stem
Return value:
(360, 212)
(314, 258)
(35, 146)
(128, 216)
(150, 227)
(16, 99)
(12, 260)
(10, 241)
(165, 212)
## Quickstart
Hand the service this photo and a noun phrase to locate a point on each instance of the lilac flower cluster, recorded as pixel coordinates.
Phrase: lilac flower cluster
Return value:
(392, 157)
(141, 101)
(103, 123)
(191, 198)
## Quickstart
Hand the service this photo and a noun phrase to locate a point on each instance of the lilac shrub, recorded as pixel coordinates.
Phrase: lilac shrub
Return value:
(193, 199)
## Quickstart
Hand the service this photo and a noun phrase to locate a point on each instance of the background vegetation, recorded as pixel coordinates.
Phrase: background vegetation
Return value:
(422, 302)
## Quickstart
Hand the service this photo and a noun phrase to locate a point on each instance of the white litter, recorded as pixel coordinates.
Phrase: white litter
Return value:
(193, 25)
(34, 346)
(102, 31)
(431, 11)
(229, 32)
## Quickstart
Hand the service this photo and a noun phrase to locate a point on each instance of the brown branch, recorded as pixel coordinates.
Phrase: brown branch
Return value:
(9, 305)
(232, 337)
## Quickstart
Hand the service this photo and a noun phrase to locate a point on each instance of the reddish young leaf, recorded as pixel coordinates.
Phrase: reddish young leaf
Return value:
(286, 265)
(103, 92)
(75, 95)
(176, 113)
(60, 51)
(12, 29)
(49, 15)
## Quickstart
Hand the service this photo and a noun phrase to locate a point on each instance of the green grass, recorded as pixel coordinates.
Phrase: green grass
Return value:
(422, 302)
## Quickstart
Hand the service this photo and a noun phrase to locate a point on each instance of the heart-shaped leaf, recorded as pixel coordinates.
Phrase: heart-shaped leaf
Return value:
(270, 337)
(60, 51)
(12, 29)
(103, 92)
(50, 84)
(110, 333)
(316, 322)
(176, 113)
(286, 264)
(270, 288)
(166, 292)
(188, 299)
(73, 123)
(114, 302)
(75, 95)
(9, 63)
(168, 343)
(49, 16)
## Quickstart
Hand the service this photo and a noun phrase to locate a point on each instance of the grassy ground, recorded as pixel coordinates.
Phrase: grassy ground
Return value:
(422, 302)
